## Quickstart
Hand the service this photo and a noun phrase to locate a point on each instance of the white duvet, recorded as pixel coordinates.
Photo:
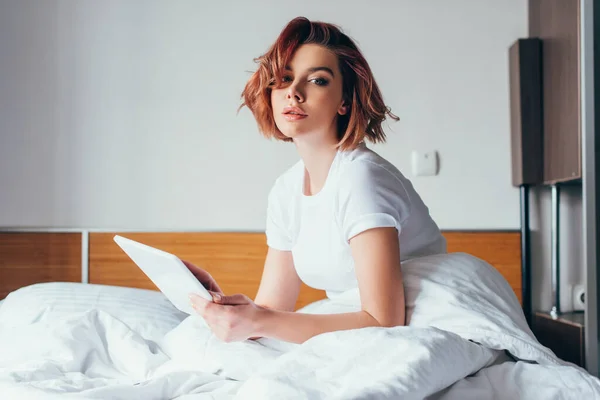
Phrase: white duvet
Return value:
(464, 319)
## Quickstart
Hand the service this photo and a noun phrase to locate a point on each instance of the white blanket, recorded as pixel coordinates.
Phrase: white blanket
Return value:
(463, 316)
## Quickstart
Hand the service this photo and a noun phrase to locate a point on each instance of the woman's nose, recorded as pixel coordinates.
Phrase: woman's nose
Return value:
(294, 93)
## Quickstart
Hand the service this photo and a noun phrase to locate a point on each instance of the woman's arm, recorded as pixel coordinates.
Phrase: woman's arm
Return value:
(376, 255)
(280, 284)
(377, 262)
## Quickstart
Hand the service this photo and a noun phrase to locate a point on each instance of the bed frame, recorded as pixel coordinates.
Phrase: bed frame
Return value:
(235, 259)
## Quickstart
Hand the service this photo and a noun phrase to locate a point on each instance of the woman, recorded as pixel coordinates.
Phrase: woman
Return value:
(342, 217)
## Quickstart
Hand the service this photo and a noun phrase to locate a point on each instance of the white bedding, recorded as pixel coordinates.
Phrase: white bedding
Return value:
(463, 316)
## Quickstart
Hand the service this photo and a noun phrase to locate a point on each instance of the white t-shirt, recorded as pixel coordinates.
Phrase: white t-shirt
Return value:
(362, 191)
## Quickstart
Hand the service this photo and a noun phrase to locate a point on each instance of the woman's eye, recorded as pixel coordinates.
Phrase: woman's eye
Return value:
(286, 79)
(320, 81)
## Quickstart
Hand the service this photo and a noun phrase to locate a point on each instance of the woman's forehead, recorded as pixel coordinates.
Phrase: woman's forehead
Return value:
(309, 56)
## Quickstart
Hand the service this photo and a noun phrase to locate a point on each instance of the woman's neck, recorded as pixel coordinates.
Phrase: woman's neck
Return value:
(317, 159)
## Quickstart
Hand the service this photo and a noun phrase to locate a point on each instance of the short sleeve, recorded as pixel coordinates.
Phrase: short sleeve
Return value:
(277, 226)
(370, 196)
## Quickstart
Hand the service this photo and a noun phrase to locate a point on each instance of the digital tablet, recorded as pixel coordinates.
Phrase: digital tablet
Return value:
(167, 272)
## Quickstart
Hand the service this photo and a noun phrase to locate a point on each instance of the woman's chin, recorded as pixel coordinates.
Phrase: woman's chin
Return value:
(292, 133)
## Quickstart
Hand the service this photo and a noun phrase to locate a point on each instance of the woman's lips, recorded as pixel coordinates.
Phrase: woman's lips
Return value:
(293, 113)
(294, 117)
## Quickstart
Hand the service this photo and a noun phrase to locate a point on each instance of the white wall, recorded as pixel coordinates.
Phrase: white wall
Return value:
(122, 115)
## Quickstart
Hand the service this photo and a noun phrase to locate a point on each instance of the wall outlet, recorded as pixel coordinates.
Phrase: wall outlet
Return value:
(424, 163)
(578, 295)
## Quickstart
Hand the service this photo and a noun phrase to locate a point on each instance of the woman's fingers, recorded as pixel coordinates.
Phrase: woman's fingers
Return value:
(230, 319)
(199, 303)
(216, 296)
(233, 300)
(197, 271)
(204, 277)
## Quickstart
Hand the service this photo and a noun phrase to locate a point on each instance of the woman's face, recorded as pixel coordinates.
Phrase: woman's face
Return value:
(310, 97)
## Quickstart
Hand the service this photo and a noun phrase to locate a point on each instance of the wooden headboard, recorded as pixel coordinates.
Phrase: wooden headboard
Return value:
(235, 259)
(32, 257)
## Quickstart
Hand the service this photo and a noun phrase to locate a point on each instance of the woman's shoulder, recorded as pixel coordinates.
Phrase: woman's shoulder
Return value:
(367, 177)
(364, 164)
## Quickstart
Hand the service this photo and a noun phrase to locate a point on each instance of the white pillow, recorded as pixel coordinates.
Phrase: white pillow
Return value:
(146, 312)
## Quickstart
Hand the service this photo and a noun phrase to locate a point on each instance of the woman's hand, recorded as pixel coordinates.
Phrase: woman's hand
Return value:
(231, 318)
(204, 277)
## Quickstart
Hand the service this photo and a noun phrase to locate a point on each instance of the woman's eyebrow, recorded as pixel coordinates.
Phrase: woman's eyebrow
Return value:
(315, 69)
(327, 69)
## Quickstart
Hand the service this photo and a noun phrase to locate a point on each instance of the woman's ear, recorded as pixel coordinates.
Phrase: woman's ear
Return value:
(343, 110)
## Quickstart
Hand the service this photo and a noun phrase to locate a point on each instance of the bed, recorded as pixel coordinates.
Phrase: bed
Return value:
(117, 337)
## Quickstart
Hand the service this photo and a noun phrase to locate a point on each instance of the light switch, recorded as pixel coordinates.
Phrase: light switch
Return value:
(424, 163)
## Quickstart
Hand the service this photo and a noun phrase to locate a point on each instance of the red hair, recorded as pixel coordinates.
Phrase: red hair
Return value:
(361, 94)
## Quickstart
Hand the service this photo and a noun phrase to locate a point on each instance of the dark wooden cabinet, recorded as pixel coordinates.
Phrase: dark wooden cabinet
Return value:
(563, 335)
(556, 23)
(526, 116)
(569, 32)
